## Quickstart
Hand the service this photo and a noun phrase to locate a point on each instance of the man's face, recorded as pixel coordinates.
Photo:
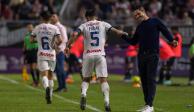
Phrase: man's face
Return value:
(30, 27)
(139, 15)
(54, 18)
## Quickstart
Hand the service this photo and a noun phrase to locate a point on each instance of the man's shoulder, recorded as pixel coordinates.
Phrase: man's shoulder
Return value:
(51, 26)
(154, 19)
(60, 26)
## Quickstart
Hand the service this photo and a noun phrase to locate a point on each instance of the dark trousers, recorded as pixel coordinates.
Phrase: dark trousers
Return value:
(61, 73)
(191, 77)
(147, 64)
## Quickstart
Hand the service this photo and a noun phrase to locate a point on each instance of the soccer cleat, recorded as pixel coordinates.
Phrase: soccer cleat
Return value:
(83, 103)
(48, 96)
(146, 108)
(107, 108)
(191, 83)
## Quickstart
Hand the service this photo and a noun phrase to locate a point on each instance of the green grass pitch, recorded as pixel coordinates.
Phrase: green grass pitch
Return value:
(17, 96)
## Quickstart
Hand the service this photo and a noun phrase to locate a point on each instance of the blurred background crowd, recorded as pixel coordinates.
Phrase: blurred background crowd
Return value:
(115, 11)
(27, 9)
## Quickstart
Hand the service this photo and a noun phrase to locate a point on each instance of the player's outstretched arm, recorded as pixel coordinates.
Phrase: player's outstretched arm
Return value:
(118, 32)
(124, 35)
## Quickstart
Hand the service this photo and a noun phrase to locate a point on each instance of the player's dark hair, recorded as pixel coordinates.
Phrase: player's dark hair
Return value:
(29, 24)
(142, 7)
(90, 13)
(45, 15)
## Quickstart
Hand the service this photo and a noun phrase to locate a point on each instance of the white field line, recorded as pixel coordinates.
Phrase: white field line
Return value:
(55, 95)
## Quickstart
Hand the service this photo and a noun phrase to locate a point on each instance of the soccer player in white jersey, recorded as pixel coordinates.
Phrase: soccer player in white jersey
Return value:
(94, 32)
(48, 38)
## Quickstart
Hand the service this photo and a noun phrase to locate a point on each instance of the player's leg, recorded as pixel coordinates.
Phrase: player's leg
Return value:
(143, 76)
(35, 72)
(45, 82)
(170, 63)
(87, 69)
(162, 73)
(52, 65)
(49, 89)
(43, 66)
(129, 67)
(29, 61)
(102, 74)
(34, 66)
(51, 83)
(152, 64)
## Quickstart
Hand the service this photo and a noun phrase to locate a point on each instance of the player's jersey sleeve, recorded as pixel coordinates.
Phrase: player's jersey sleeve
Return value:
(107, 26)
(57, 32)
(81, 27)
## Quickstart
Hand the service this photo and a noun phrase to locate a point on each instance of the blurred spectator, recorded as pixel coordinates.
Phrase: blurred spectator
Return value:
(167, 58)
(186, 19)
(115, 11)
(177, 54)
(36, 9)
(118, 11)
(24, 10)
(6, 12)
(81, 17)
(155, 7)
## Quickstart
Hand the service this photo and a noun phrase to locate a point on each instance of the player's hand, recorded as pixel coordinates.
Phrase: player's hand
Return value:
(174, 43)
(125, 33)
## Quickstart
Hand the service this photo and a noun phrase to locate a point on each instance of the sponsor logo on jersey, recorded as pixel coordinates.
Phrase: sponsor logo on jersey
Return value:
(93, 51)
(46, 54)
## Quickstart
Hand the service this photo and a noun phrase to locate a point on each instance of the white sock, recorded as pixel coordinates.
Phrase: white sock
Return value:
(105, 89)
(84, 88)
(51, 85)
(45, 82)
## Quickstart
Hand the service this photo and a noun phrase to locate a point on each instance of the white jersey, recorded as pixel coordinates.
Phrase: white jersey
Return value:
(45, 34)
(94, 36)
(64, 37)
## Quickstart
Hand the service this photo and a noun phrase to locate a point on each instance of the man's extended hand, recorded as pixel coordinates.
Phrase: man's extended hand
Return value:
(174, 43)
(67, 50)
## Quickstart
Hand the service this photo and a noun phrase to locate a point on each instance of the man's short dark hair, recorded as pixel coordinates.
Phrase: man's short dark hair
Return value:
(90, 13)
(45, 15)
(175, 28)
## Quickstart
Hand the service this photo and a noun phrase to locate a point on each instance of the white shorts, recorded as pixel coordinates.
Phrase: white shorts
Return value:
(44, 65)
(94, 62)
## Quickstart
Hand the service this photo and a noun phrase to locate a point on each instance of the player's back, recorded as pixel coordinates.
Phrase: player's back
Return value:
(94, 37)
(45, 34)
